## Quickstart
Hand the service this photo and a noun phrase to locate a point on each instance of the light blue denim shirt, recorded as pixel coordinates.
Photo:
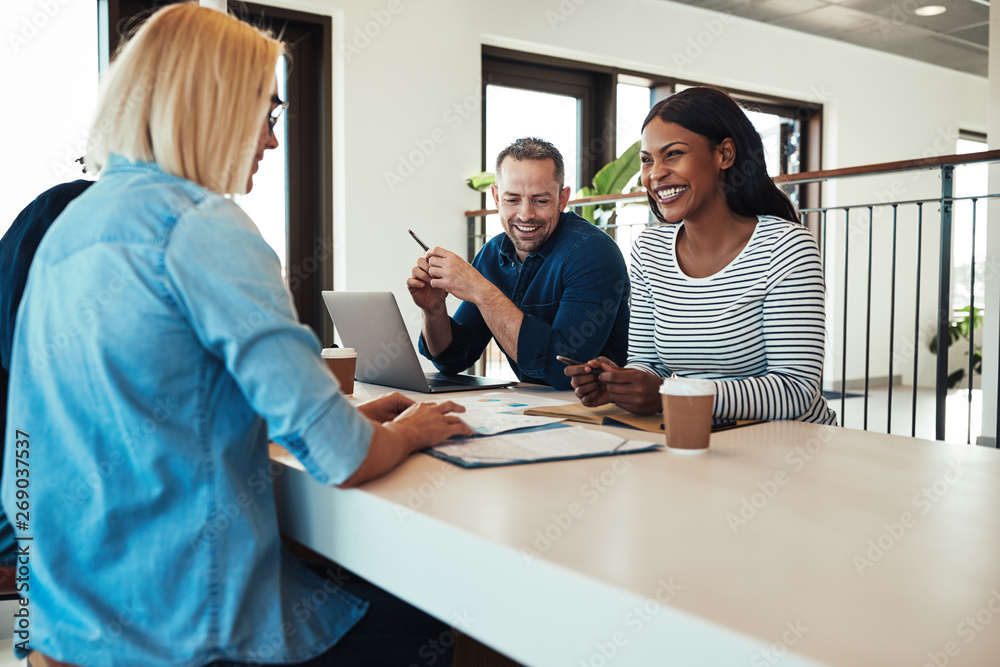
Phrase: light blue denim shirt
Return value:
(156, 351)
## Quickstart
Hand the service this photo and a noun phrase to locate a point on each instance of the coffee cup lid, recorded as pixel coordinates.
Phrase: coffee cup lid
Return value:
(676, 386)
(338, 352)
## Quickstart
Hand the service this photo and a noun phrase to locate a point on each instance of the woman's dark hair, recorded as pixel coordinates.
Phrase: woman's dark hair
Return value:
(715, 115)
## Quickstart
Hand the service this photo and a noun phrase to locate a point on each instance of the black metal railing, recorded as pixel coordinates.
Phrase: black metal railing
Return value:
(843, 228)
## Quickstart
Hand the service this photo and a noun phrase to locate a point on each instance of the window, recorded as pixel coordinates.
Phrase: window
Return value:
(267, 202)
(292, 200)
(52, 73)
(635, 96)
(970, 180)
(512, 113)
(522, 90)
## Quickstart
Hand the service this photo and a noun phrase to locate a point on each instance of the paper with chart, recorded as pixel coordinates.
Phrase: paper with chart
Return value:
(492, 413)
(509, 401)
(561, 442)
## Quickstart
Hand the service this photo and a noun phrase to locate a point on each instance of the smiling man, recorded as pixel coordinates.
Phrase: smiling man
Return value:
(551, 284)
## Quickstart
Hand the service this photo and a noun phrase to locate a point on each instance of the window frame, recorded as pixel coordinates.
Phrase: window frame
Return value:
(308, 140)
(595, 90)
(521, 69)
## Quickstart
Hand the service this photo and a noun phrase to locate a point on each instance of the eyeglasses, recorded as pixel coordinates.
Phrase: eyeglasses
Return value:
(272, 120)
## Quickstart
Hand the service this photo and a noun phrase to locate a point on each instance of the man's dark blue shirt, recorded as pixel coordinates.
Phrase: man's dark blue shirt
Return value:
(573, 291)
(17, 248)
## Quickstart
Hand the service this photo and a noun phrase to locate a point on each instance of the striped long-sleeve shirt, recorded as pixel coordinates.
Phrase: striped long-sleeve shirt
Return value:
(756, 327)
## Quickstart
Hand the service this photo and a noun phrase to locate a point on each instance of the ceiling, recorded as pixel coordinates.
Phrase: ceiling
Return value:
(957, 39)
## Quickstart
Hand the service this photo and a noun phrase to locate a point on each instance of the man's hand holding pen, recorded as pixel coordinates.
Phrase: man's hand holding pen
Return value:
(441, 272)
(427, 298)
(452, 273)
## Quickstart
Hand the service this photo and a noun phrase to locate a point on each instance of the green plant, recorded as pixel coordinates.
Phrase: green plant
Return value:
(610, 180)
(481, 182)
(960, 328)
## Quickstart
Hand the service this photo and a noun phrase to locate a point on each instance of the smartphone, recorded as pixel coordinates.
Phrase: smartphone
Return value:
(570, 362)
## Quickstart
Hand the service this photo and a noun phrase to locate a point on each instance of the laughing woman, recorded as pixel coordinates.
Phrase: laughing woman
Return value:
(730, 288)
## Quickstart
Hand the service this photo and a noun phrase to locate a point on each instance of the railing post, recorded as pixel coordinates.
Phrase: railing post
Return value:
(479, 368)
(944, 301)
(916, 318)
(843, 352)
(470, 251)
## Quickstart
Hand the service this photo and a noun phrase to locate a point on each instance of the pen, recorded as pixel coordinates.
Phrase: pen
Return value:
(417, 239)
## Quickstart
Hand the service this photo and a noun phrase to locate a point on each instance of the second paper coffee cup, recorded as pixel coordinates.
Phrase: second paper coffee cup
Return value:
(687, 413)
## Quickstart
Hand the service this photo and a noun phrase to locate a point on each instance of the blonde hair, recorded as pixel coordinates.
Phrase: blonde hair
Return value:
(189, 91)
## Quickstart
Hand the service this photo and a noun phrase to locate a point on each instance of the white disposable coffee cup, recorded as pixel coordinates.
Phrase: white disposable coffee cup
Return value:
(687, 413)
(342, 362)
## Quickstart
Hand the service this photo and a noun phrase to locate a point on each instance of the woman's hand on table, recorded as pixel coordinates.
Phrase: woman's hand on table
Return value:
(432, 423)
(416, 427)
(385, 408)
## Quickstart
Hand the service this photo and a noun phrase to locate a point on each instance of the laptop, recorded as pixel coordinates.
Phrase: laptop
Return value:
(371, 323)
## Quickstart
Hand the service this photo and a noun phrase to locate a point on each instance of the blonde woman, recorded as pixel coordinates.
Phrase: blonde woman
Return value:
(155, 354)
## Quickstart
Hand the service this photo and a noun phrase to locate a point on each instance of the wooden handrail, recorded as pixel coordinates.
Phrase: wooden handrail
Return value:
(889, 167)
(814, 176)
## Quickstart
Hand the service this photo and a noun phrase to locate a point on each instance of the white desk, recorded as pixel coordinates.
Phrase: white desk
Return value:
(841, 562)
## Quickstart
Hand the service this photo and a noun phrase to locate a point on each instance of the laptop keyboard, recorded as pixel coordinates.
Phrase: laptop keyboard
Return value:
(448, 382)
